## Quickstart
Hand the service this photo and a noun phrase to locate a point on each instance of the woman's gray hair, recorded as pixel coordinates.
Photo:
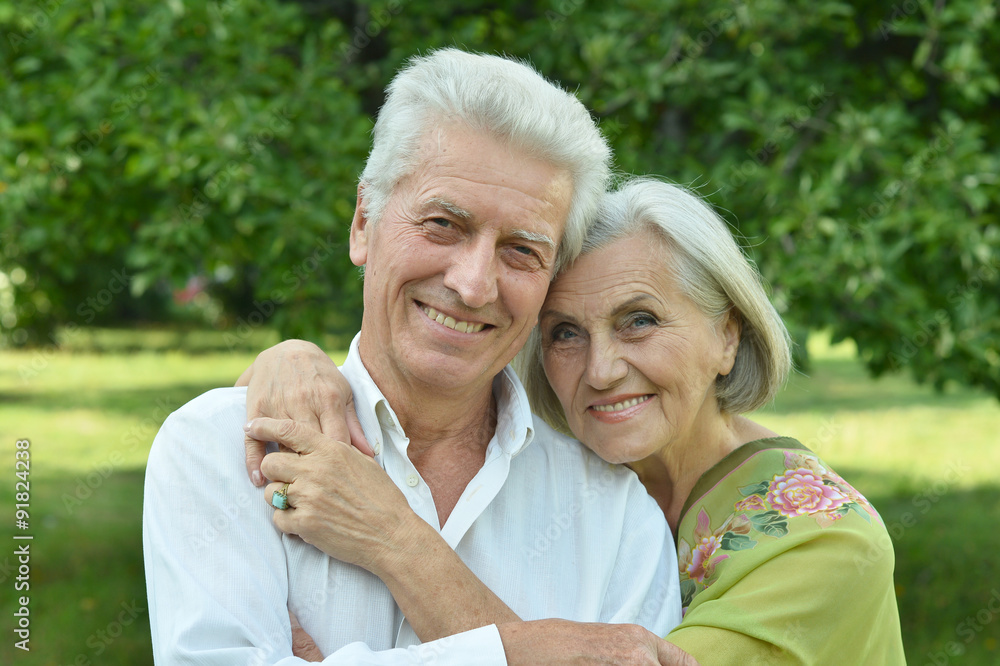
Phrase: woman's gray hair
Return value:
(712, 271)
(504, 98)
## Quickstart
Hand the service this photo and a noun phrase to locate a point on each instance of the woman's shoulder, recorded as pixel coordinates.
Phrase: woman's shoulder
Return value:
(775, 495)
(779, 474)
(775, 532)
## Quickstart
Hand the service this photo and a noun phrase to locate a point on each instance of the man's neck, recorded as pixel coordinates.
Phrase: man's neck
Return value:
(448, 432)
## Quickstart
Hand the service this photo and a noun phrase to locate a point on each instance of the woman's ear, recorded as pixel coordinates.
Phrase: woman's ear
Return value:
(729, 331)
(359, 231)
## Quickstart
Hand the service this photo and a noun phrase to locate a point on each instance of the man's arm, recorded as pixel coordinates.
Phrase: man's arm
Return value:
(216, 567)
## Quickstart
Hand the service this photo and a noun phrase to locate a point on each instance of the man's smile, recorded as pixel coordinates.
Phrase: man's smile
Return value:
(451, 322)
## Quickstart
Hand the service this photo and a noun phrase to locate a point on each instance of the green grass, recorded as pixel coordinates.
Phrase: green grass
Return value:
(928, 462)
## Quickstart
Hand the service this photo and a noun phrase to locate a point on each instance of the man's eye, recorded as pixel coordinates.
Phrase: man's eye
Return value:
(442, 222)
(523, 257)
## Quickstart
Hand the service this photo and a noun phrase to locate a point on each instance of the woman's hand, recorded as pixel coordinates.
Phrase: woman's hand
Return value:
(340, 500)
(556, 642)
(296, 380)
(343, 503)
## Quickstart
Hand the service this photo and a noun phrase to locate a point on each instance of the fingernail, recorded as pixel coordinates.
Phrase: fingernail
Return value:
(258, 480)
(247, 426)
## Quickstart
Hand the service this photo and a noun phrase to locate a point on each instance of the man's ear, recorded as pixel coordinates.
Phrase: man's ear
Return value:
(359, 232)
(730, 331)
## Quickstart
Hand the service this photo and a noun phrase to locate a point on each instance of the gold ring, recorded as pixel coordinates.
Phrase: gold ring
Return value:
(279, 500)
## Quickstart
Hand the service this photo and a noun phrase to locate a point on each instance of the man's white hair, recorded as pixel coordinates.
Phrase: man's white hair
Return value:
(501, 97)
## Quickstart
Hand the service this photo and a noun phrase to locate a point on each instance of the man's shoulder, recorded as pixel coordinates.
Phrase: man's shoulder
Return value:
(202, 424)
(216, 403)
(551, 448)
(602, 495)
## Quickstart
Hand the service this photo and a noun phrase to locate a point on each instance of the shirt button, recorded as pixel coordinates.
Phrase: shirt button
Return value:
(378, 447)
(412, 480)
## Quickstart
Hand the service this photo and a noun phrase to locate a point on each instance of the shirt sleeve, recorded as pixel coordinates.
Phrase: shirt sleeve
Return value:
(644, 588)
(216, 573)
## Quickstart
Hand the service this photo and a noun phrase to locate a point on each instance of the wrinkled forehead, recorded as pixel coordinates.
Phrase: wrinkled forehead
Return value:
(632, 265)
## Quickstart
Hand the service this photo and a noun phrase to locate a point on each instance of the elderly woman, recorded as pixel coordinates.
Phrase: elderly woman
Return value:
(650, 349)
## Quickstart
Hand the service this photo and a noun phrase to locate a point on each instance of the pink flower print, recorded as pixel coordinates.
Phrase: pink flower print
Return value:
(702, 564)
(801, 491)
(752, 503)
(852, 494)
(699, 562)
(795, 460)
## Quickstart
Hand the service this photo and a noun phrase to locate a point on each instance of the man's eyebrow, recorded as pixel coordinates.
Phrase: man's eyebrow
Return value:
(457, 211)
(534, 238)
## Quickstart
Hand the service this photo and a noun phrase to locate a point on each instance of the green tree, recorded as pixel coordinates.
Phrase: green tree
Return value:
(853, 145)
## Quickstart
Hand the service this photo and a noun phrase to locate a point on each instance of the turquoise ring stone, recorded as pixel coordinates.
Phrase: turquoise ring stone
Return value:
(279, 500)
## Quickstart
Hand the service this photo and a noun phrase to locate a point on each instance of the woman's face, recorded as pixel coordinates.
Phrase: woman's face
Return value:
(630, 357)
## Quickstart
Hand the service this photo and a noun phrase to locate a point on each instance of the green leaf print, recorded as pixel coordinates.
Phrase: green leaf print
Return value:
(731, 541)
(770, 523)
(756, 489)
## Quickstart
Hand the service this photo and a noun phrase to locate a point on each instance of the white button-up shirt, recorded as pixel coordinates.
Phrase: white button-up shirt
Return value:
(552, 529)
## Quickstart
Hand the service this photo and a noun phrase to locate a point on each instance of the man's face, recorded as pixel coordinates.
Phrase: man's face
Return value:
(458, 267)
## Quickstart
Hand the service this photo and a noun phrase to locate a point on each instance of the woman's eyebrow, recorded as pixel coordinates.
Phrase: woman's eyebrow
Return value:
(635, 300)
(617, 309)
(556, 314)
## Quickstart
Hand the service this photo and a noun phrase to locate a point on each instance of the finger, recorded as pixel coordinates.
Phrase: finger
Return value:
(310, 419)
(296, 436)
(303, 646)
(255, 454)
(284, 520)
(358, 439)
(281, 468)
(334, 425)
(274, 487)
(244, 379)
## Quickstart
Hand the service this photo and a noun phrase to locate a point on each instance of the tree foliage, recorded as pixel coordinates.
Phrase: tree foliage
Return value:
(854, 146)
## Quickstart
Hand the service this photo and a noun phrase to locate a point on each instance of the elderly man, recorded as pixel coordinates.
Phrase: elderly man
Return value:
(479, 184)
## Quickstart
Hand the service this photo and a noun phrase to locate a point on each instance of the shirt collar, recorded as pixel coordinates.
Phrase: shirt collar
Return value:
(514, 429)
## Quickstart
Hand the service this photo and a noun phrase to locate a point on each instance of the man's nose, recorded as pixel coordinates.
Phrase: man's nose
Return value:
(473, 274)
(606, 367)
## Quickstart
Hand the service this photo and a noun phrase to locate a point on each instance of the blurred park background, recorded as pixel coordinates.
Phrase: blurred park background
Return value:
(177, 179)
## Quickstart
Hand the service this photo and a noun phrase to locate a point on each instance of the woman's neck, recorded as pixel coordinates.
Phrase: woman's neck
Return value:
(671, 473)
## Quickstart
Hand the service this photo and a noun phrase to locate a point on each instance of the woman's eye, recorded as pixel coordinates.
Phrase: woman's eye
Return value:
(642, 321)
(563, 333)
